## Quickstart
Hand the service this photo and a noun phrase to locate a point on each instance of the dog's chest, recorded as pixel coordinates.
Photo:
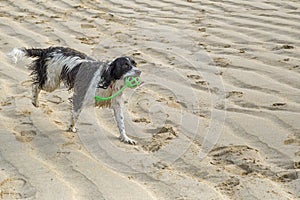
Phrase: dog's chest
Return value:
(104, 93)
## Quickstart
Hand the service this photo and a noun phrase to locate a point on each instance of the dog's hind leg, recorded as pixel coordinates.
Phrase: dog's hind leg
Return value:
(35, 94)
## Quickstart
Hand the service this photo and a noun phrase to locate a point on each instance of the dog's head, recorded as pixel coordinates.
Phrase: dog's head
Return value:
(120, 68)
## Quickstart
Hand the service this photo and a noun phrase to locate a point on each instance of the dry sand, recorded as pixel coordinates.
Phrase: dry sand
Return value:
(221, 78)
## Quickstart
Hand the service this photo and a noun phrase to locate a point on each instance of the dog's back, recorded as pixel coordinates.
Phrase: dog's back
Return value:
(53, 65)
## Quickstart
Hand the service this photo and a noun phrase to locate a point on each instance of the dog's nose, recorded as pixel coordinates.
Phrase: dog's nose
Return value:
(137, 72)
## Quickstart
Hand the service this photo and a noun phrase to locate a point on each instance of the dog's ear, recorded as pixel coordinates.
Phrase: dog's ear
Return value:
(117, 70)
(106, 78)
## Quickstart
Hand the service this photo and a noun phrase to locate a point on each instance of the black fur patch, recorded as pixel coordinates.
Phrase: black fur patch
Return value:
(69, 76)
(39, 66)
(121, 66)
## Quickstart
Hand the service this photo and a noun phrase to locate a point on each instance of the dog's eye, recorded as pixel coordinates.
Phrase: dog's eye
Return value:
(127, 66)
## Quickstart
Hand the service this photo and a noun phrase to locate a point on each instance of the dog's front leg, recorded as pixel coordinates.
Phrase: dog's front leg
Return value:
(74, 118)
(76, 110)
(118, 112)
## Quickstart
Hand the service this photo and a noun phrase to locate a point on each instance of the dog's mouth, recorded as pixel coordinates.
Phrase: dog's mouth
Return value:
(133, 81)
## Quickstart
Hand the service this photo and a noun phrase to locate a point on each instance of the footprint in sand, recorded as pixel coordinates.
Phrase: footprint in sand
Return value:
(143, 119)
(58, 122)
(229, 186)
(203, 83)
(161, 165)
(286, 176)
(222, 62)
(8, 101)
(87, 26)
(278, 104)
(197, 80)
(295, 67)
(285, 46)
(244, 160)
(242, 50)
(87, 40)
(15, 188)
(46, 109)
(160, 139)
(24, 112)
(240, 160)
(25, 131)
(172, 103)
(293, 140)
(234, 94)
(192, 76)
(25, 135)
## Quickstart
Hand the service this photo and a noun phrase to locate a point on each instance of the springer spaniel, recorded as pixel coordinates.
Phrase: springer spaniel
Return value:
(77, 71)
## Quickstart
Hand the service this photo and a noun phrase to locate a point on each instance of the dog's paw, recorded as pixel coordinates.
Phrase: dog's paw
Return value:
(72, 129)
(128, 140)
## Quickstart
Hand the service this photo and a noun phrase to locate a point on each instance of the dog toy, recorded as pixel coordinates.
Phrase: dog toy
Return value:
(130, 82)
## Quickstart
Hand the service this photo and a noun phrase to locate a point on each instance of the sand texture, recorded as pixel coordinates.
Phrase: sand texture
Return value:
(218, 115)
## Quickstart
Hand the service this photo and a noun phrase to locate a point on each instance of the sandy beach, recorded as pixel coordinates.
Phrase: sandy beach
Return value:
(216, 118)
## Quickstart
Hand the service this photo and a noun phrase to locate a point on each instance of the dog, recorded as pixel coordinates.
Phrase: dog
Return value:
(79, 72)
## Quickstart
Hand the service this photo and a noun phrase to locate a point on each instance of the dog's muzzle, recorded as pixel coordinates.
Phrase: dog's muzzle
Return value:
(137, 72)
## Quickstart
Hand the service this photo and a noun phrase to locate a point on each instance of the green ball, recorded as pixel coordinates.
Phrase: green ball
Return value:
(132, 81)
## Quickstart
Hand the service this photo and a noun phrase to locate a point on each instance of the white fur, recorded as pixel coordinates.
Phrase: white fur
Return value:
(55, 66)
(17, 54)
(132, 72)
(117, 106)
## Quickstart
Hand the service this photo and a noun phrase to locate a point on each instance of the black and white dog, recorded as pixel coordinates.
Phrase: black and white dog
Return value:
(54, 65)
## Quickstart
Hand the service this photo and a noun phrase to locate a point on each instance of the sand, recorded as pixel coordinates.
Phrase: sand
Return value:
(217, 117)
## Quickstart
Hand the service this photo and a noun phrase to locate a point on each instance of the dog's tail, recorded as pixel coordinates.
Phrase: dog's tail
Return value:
(18, 54)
